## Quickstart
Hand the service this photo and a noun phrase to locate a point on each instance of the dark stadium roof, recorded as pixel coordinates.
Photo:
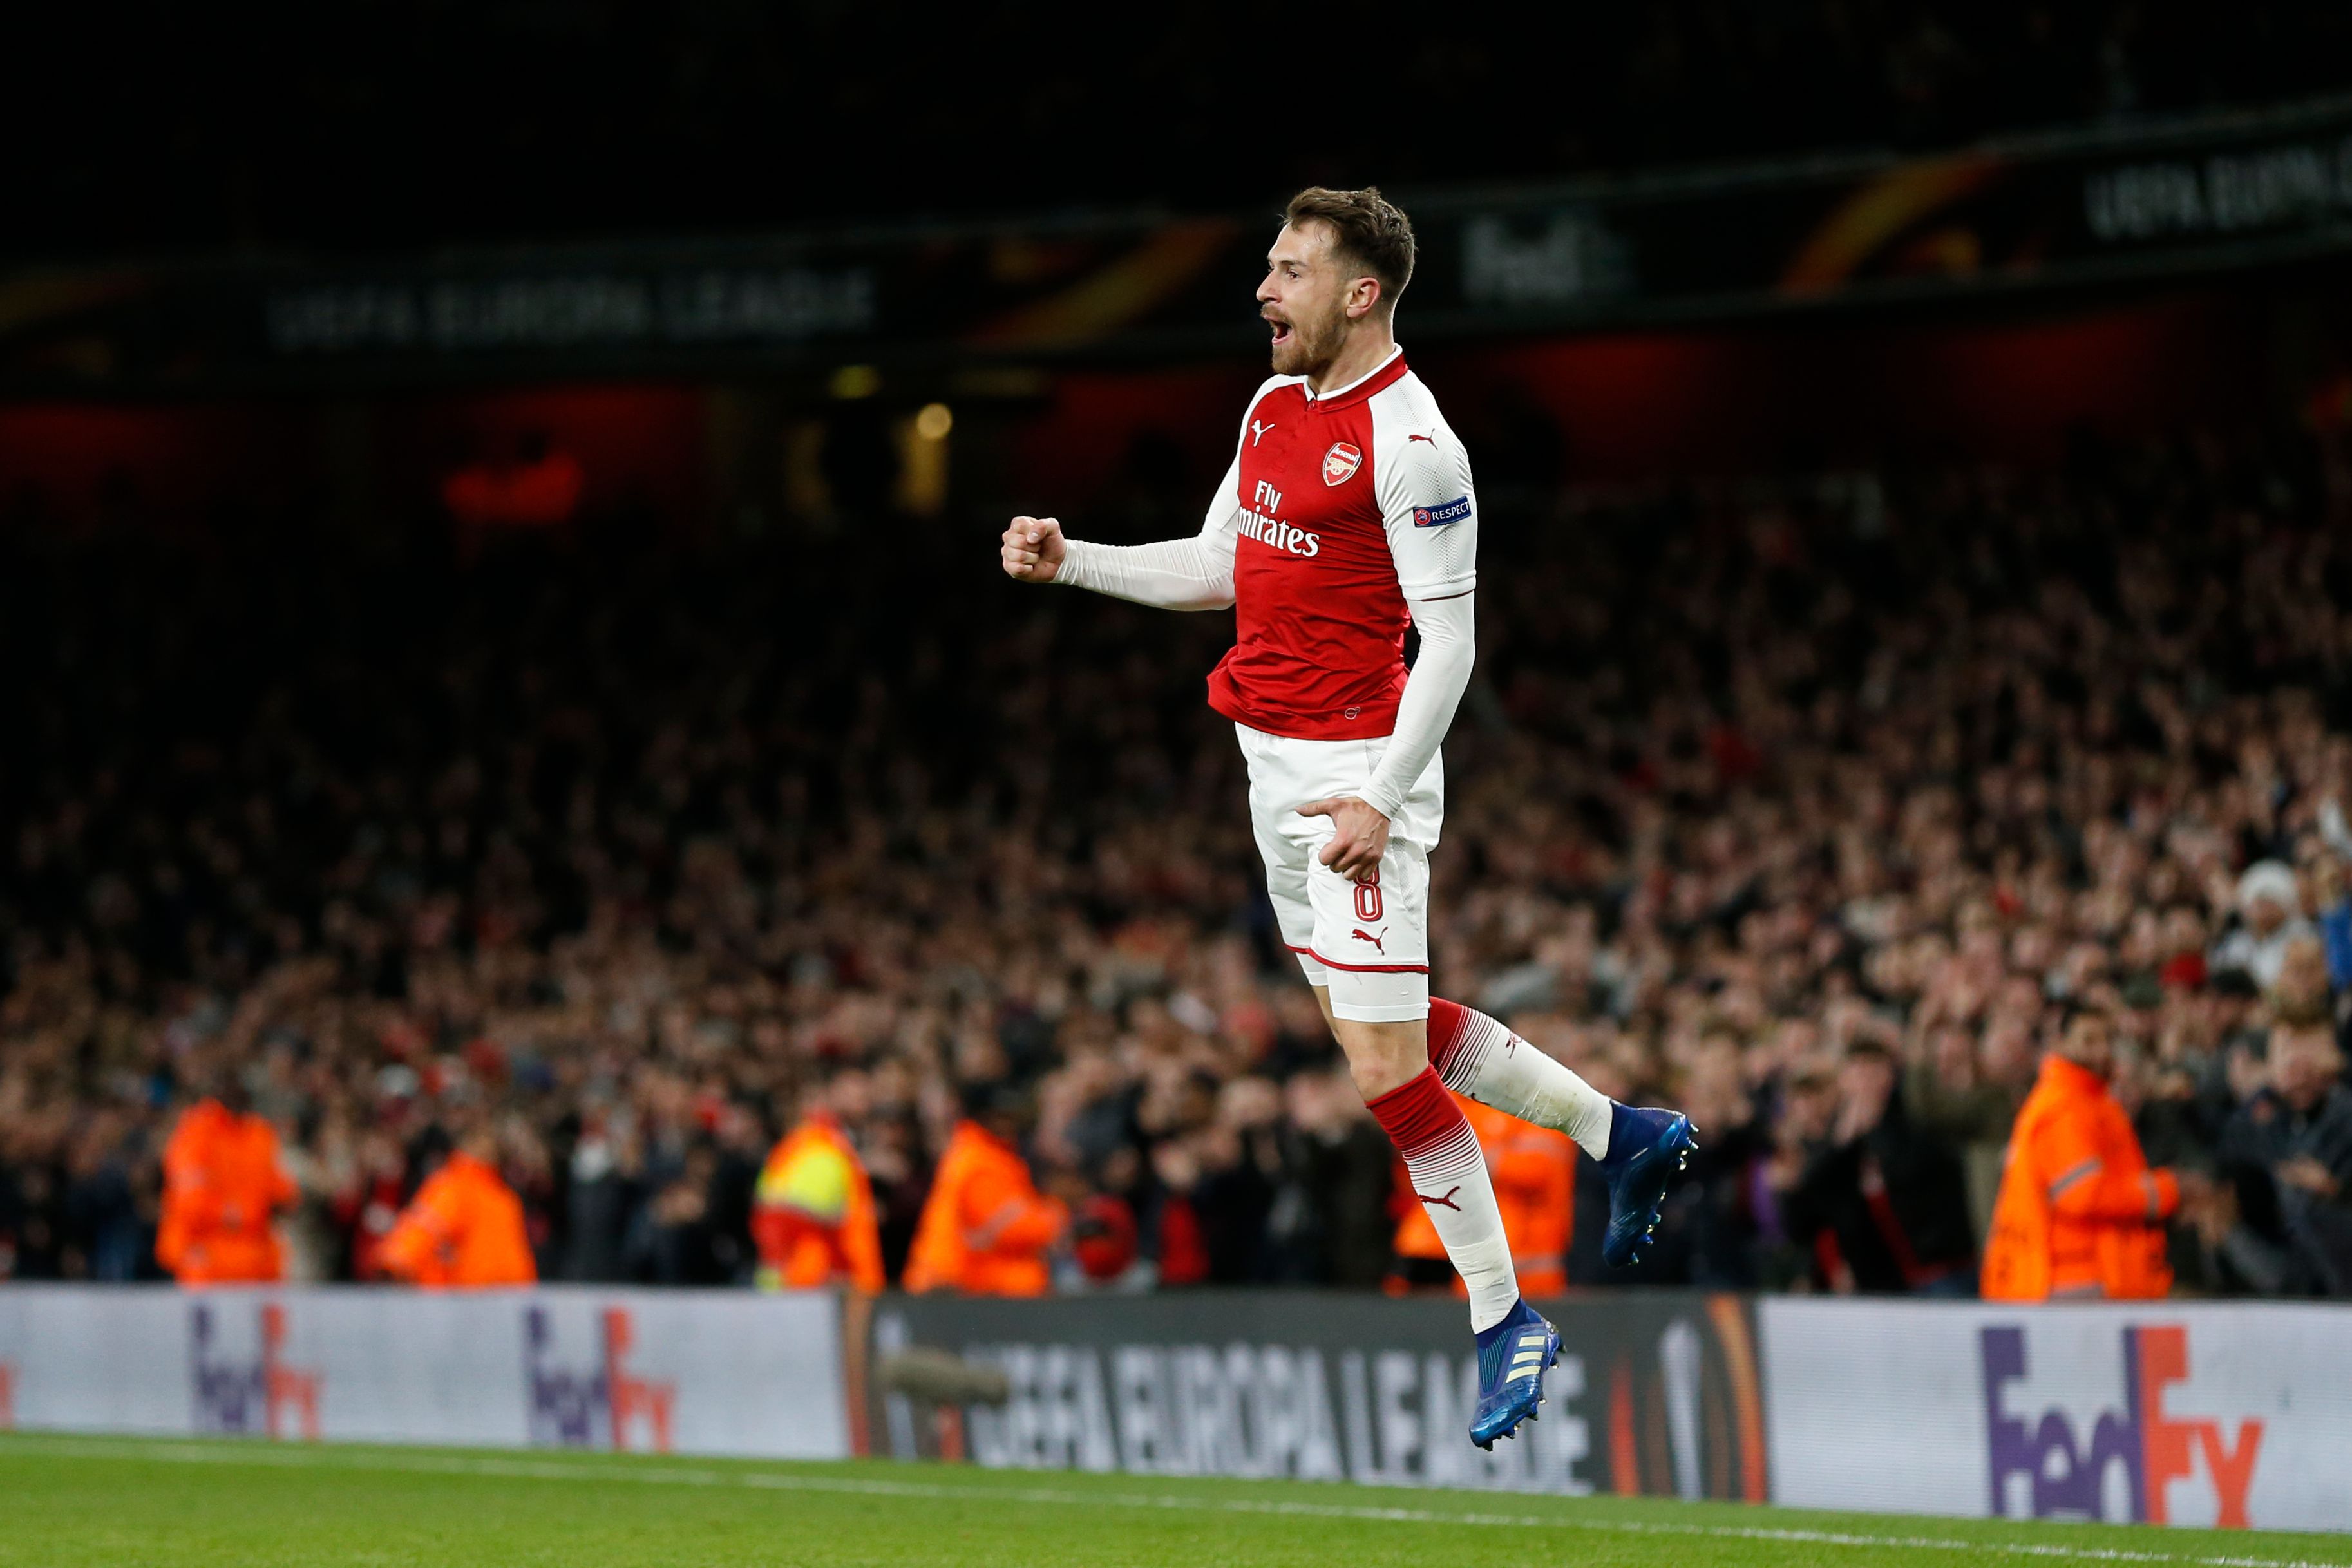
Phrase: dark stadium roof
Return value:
(146, 127)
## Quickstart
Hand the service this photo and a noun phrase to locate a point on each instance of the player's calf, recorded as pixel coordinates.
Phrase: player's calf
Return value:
(1449, 1175)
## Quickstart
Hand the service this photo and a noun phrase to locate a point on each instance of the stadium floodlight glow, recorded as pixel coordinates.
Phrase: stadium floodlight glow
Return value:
(853, 382)
(934, 421)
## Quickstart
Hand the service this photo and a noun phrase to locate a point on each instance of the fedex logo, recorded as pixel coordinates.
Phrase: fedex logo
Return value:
(602, 1403)
(1452, 511)
(238, 1396)
(2048, 1468)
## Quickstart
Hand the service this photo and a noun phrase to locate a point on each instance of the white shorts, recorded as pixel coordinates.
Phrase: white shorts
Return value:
(1367, 942)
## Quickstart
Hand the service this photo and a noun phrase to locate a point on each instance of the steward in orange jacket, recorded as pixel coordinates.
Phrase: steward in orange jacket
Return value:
(222, 1182)
(2080, 1213)
(985, 1229)
(1535, 1185)
(464, 1229)
(1533, 1171)
(812, 1217)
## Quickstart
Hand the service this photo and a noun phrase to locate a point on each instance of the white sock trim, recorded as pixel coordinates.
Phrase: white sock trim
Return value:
(1451, 1179)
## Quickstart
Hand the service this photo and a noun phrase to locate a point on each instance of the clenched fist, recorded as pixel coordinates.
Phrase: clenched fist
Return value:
(1034, 548)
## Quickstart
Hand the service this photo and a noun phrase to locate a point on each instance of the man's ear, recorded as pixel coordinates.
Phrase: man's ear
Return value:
(1363, 297)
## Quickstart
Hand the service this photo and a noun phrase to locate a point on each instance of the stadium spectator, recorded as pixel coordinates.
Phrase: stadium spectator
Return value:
(101, 1203)
(1334, 1223)
(2284, 1223)
(2080, 1213)
(2270, 912)
(1752, 771)
(1881, 1201)
(813, 1222)
(223, 1185)
(464, 1229)
(985, 1229)
(1721, 1219)
(360, 1183)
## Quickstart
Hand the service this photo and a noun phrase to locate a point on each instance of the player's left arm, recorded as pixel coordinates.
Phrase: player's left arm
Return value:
(1431, 513)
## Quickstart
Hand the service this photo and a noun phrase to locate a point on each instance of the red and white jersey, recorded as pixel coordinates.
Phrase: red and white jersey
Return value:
(1338, 509)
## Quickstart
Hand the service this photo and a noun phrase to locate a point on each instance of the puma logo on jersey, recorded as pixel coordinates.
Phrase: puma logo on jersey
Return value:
(1445, 1202)
(1411, 439)
(1257, 431)
(1363, 936)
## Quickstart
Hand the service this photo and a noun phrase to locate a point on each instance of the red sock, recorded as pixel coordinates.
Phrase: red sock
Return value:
(1423, 1121)
(1448, 1031)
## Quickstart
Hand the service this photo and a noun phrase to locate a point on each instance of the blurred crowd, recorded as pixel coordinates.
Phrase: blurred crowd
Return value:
(1814, 805)
(507, 120)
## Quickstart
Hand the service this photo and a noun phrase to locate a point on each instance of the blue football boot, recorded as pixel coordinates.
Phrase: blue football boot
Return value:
(1512, 1356)
(1646, 1147)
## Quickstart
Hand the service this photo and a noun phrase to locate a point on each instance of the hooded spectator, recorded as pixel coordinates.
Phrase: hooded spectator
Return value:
(2270, 920)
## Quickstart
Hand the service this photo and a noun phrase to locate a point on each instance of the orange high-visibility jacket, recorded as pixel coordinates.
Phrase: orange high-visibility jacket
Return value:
(1535, 1186)
(223, 1182)
(462, 1230)
(814, 1219)
(1534, 1172)
(985, 1229)
(2079, 1214)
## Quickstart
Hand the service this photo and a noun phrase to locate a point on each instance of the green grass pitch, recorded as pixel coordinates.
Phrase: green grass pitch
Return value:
(67, 1501)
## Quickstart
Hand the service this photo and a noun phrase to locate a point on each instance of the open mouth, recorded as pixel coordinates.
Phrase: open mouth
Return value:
(1281, 330)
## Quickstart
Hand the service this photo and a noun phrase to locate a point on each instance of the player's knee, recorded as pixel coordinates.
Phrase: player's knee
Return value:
(1381, 1057)
(1375, 1080)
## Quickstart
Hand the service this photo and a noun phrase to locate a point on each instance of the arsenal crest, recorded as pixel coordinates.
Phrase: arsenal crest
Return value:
(1340, 462)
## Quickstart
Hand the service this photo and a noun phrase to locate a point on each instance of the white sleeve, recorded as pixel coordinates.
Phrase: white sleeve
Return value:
(1449, 643)
(1431, 513)
(1430, 509)
(1172, 574)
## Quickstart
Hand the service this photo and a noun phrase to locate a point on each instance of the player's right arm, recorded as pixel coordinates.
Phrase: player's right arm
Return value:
(1196, 573)
(1172, 574)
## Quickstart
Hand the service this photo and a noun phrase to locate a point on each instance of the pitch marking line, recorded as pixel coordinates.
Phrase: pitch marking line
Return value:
(760, 1480)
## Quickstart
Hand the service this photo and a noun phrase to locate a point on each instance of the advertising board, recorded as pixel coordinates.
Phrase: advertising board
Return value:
(2166, 1413)
(662, 1371)
(1653, 1393)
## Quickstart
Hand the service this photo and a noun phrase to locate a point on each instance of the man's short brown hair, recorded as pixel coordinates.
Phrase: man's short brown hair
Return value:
(1367, 228)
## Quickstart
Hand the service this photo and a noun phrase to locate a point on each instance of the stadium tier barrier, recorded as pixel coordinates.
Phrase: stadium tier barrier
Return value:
(2189, 1413)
